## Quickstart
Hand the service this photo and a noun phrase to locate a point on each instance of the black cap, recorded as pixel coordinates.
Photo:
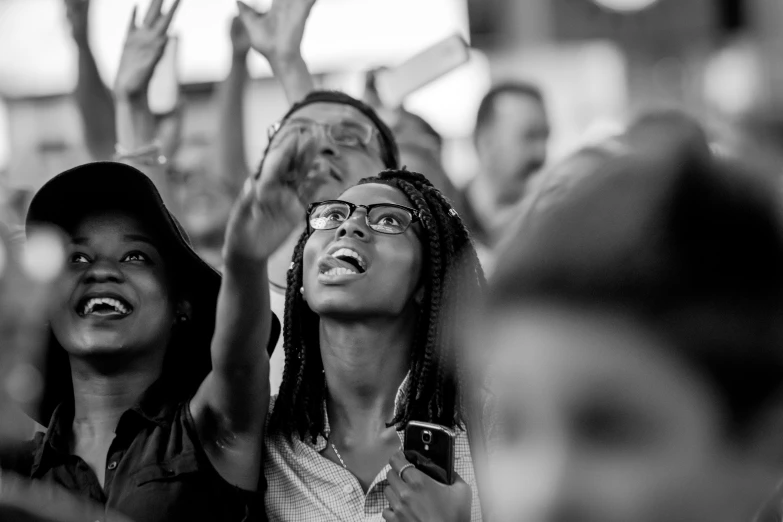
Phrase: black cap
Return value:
(69, 196)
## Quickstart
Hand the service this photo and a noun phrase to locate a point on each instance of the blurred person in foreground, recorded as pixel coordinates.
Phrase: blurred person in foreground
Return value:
(631, 347)
(511, 137)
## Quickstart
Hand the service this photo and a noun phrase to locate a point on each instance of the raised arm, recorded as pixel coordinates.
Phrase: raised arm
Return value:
(136, 126)
(231, 405)
(230, 139)
(93, 98)
(277, 34)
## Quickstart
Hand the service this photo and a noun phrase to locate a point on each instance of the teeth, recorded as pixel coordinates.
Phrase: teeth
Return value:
(338, 270)
(90, 305)
(347, 252)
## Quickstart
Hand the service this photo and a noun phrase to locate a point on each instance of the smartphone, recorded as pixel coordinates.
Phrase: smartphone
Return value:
(163, 92)
(434, 442)
(395, 84)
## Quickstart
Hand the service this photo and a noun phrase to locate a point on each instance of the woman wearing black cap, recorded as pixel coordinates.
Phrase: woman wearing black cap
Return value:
(156, 386)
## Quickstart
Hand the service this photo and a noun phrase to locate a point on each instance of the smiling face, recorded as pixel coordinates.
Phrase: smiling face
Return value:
(593, 419)
(114, 295)
(357, 271)
(335, 167)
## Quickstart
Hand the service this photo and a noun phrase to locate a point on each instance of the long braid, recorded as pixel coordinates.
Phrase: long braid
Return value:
(452, 278)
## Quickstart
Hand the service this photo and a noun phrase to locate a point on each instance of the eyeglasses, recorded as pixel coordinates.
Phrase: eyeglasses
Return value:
(386, 218)
(344, 133)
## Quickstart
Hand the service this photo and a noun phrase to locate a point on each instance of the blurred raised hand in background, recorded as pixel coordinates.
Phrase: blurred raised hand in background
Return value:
(136, 125)
(277, 35)
(92, 97)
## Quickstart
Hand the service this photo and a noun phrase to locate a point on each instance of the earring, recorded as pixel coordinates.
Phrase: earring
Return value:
(182, 318)
(301, 290)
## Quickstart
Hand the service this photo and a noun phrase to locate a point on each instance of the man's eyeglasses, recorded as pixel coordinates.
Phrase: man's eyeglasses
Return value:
(344, 133)
(385, 218)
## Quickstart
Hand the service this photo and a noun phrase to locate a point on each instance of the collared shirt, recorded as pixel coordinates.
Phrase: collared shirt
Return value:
(156, 469)
(305, 486)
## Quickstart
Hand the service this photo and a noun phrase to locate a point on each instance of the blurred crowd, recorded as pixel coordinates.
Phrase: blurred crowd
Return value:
(342, 333)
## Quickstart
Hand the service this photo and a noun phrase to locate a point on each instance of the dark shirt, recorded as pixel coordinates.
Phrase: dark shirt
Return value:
(156, 468)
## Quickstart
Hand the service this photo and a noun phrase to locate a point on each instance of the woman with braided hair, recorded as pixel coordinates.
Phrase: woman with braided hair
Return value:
(375, 277)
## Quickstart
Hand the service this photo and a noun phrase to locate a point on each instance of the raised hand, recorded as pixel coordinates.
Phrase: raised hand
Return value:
(269, 208)
(77, 12)
(144, 46)
(277, 34)
(240, 40)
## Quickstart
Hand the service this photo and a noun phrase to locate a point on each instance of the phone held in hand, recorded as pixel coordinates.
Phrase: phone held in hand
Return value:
(395, 84)
(435, 443)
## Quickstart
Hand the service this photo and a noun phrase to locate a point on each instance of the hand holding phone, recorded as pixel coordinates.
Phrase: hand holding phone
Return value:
(430, 447)
(413, 495)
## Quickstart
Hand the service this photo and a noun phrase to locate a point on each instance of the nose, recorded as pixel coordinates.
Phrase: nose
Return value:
(354, 227)
(103, 270)
(324, 146)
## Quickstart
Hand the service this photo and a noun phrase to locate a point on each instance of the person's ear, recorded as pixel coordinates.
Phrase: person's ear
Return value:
(418, 297)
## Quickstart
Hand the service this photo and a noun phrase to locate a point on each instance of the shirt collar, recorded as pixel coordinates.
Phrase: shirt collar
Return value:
(155, 403)
(54, 445)
(399, 402)
(152, 407)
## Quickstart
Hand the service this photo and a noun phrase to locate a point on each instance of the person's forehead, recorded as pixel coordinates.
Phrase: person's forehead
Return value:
(108, 222)
(326, 112)
(371, 193)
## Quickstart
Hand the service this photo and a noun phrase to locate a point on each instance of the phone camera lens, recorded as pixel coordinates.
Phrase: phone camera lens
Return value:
(426, 436)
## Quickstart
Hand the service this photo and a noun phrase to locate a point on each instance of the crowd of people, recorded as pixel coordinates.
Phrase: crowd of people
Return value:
(266, 356)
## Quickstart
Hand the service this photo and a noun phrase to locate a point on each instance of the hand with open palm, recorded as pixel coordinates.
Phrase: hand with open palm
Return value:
(276, 34)
(144, 46)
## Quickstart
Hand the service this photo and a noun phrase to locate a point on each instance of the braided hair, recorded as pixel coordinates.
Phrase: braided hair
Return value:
(452, 277)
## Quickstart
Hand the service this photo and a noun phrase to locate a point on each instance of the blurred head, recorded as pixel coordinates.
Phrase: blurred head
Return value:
(421, 147)
(512, 131)
(204, 197)
(632, 339)
(345, 136)
(359, 264)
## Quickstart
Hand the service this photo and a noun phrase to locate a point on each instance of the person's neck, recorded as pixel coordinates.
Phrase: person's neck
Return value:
(102, 393)
(365, 363)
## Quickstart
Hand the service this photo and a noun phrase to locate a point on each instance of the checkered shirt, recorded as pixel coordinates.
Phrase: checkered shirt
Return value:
(305, 486)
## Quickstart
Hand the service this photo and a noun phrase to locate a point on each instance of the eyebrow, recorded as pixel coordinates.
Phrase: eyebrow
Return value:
(138, 238)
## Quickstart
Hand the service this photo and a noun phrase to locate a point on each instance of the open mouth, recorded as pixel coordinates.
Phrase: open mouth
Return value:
(103, 306)
(349, 262)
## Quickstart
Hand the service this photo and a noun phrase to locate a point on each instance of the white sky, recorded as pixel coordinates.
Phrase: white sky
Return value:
(38, 56)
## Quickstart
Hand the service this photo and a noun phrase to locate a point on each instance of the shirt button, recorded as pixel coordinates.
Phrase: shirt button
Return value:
(347, 489)
(112, 465)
